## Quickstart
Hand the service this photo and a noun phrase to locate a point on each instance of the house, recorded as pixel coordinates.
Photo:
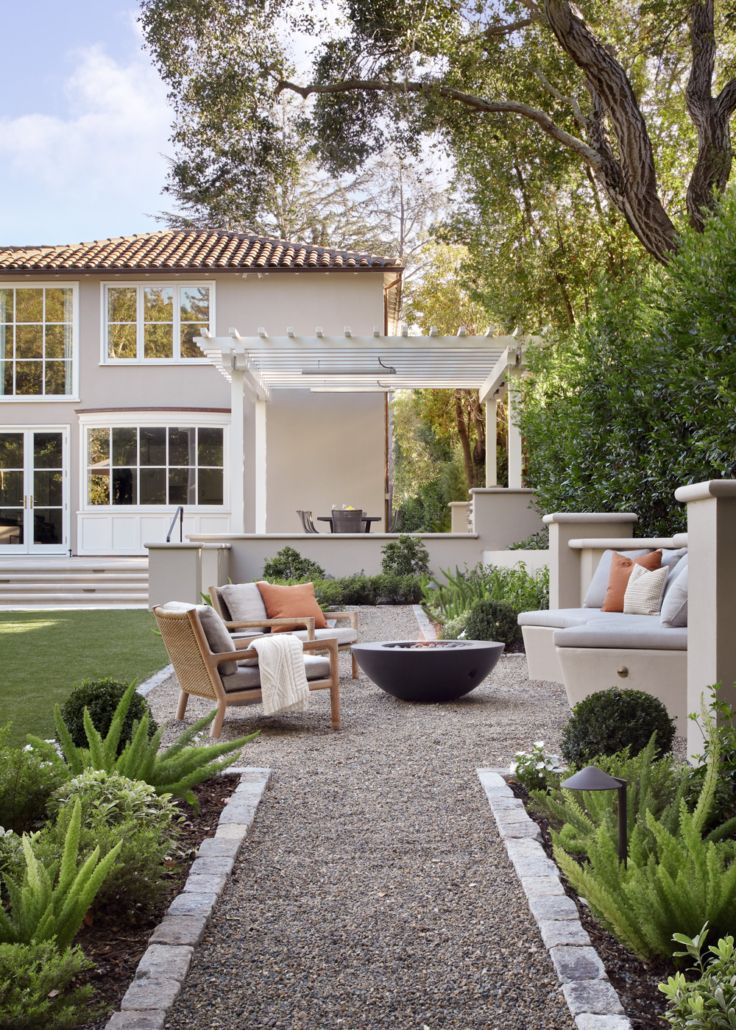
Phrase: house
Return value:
(111, 415)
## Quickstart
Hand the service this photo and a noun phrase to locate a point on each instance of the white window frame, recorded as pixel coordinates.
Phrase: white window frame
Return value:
(55, 398)
(140, 285)
(163, 420)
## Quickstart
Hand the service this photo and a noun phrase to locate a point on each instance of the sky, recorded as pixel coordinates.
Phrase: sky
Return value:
(84, 123)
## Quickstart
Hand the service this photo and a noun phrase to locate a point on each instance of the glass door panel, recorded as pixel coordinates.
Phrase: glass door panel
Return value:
(48, 489)
(12, 493)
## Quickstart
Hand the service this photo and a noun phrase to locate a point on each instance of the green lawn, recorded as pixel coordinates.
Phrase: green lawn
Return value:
(43, 655)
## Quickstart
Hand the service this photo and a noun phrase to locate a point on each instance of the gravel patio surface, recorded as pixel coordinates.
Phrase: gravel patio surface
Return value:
(373, 890)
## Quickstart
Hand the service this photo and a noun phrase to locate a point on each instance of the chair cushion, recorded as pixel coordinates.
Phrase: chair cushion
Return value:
(627, 632)
(248, 677)
(596, 592)
(217, 634)
(291, 602)
(342, 634)
(215, 631)
(244, 601)
(674, 606)
(644, 592)
(618, 579)
(559, 618)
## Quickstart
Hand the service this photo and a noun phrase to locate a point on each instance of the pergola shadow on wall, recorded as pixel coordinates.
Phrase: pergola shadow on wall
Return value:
(257, 366)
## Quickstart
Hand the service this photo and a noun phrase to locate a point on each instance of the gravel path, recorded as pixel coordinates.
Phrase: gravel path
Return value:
(373, 892)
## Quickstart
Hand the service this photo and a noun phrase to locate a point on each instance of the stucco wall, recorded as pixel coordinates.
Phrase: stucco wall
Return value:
(276, 301)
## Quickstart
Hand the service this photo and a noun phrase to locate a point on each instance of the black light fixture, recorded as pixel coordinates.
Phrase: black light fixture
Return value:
(592, 778)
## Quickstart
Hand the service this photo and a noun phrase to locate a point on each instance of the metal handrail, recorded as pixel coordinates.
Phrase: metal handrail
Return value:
(178, 514)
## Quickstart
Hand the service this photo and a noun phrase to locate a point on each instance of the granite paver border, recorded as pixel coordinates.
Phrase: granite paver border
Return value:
(593, 1002)
(161, 971)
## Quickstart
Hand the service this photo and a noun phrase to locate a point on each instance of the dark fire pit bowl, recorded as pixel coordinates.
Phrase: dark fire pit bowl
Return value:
(428, 674)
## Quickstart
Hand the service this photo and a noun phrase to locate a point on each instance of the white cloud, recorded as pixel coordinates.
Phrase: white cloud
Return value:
(102, 162)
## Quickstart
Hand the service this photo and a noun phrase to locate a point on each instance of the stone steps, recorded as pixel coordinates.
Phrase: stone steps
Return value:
(73, 582)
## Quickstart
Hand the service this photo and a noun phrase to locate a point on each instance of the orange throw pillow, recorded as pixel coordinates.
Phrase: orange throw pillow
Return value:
(296, 602)
(618, 578)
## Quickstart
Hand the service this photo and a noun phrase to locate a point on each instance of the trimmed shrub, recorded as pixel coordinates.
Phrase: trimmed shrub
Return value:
(288, 564)
(101, 698)
(27, 781)
(406, 556)
(118, 810)
(612, 720)
(493, 620)
(36, 987)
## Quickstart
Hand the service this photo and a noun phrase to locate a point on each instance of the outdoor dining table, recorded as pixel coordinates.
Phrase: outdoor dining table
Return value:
(366, 521)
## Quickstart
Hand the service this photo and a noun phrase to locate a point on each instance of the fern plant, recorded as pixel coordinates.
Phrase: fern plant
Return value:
(675, 878)
(48, 903)
(176, 770)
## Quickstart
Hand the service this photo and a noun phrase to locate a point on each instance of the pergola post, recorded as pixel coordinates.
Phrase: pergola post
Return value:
(514, 436)
(237, 452)
(259, 465)
(491, 441)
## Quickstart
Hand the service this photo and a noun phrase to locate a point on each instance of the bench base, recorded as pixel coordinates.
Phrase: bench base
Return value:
(541, 654)
(663, 674)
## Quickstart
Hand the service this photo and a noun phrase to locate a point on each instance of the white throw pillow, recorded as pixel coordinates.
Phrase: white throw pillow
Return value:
(244, 601)
(644, 592)
(674, 606)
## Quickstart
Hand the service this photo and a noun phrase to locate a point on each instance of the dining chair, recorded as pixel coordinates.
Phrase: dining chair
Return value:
(307, 523)
(348, 520)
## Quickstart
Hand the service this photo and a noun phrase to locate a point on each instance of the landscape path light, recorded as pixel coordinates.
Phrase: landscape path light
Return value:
(592, 778)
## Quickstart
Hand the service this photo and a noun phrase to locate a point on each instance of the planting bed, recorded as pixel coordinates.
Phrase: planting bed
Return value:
(115, 950)
(635, 981)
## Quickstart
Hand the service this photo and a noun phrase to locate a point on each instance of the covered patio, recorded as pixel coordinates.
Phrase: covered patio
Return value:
(258, 367)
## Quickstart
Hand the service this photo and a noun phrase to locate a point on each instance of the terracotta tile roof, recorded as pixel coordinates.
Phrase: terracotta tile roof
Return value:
(206, 250)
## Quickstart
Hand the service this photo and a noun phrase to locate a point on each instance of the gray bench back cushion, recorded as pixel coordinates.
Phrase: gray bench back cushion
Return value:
(674, 606)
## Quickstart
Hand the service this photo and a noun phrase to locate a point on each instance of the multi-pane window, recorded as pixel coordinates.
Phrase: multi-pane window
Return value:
(146, 323)
(163, 465)
(36, 341)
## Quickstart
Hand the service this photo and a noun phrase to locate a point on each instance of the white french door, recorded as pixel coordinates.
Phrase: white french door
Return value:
(34, 502)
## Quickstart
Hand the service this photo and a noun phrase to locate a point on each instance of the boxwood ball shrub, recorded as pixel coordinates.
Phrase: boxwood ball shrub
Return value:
(493, 620)
(288, 564)
(611, 720)
(101, 697)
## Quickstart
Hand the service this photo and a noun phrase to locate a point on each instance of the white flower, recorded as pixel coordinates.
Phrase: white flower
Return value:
(538, 743)
(520, 754)
(513, 767)
(540, 765)
(28, 747)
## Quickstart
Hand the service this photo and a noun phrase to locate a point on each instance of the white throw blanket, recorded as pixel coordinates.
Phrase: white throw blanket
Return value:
(283, 678)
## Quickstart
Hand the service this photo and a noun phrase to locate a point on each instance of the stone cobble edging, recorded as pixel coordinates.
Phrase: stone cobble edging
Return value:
(164, 965)
(590, 996)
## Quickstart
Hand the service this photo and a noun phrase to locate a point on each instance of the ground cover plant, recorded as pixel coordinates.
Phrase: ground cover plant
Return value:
(450, 600)
(46, 653)
(27, 781)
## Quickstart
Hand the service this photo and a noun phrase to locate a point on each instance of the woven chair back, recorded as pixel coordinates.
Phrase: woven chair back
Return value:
(347, 521)
(185, 651)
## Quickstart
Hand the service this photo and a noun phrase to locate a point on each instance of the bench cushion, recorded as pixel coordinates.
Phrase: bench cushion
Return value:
(244, 601)
(560, 618)
(248, 677)
(632, 632)
(674, 607)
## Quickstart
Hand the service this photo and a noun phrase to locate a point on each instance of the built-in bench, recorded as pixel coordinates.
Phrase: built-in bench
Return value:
(587, 649)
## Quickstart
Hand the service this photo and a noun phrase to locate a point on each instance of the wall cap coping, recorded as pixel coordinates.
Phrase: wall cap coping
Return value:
(500, 490)
(190, 546)
(458, 504)
(616, 543)
(589, 516)
(311, 537)
(725, 488)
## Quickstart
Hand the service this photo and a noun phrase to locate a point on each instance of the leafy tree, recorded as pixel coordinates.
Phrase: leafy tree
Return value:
(601, 89)
(640, 398)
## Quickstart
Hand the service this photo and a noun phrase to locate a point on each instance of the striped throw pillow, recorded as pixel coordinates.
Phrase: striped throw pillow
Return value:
(644, 591)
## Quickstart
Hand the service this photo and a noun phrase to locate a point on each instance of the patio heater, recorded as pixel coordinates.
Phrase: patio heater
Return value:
(592, 778)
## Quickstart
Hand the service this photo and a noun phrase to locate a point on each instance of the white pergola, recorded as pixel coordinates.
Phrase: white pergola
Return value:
(256, 366)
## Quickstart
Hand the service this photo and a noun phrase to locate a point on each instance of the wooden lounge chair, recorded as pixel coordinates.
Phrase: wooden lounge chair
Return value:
(230, 676)
(345, 630)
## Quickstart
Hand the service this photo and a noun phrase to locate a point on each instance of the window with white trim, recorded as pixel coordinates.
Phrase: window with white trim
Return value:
(156, 321)
(36, 341)
(154, 465)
